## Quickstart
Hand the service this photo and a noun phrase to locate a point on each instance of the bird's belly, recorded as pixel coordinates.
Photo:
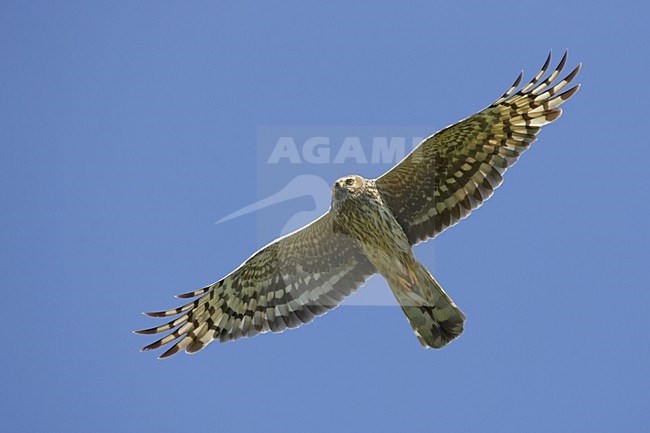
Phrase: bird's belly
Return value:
(384, 243)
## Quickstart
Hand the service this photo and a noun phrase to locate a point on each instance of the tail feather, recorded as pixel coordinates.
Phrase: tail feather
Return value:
(434, 317)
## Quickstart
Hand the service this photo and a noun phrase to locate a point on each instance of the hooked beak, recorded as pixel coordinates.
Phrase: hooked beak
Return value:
(338, 190)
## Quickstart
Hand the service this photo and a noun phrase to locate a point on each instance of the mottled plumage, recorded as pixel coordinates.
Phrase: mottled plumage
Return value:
(370, 228)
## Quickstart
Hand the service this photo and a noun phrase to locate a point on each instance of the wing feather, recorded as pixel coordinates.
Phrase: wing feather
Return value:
(454, 171)
(284, 285)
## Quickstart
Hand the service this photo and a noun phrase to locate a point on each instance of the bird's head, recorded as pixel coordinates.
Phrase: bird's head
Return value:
(347, 187)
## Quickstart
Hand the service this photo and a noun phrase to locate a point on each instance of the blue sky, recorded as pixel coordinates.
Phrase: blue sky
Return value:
(128, 128)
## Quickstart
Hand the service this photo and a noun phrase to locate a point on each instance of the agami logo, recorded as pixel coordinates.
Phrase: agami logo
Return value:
(306, 154)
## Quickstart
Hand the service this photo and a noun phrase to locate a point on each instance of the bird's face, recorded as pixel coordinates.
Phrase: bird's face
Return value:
(348, 186)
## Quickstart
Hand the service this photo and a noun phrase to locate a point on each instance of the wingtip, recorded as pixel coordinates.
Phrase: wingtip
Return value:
(554, 114)
(569, 93)
(171, 351)
(194, 293)
(152, 313)
(147, 348)
(145, 331)
(152, 346)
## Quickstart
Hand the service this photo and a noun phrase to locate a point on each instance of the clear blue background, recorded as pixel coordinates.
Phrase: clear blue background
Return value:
(128, 128)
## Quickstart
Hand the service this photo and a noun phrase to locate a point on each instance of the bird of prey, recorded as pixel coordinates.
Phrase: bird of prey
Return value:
(371, 227)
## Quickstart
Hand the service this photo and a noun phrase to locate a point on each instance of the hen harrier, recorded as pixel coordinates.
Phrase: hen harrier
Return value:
(371, 227)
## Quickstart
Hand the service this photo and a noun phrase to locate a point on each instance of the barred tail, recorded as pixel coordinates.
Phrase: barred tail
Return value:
(434, 317)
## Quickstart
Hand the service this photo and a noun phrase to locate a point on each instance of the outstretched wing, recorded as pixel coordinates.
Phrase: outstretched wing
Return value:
(283, 285)
(455, 170)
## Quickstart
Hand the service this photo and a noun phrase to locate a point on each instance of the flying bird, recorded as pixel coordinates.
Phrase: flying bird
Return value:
(371, 227)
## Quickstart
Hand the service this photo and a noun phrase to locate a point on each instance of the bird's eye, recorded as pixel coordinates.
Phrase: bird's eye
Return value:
(349, 181)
